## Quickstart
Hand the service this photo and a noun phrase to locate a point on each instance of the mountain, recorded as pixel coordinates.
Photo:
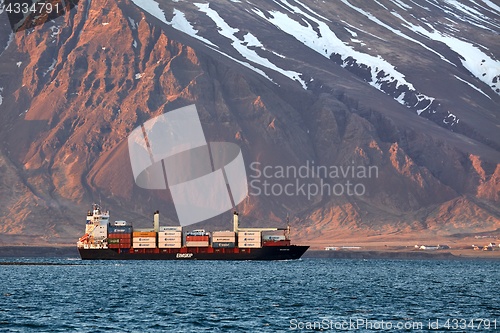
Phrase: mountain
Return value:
(381, 117)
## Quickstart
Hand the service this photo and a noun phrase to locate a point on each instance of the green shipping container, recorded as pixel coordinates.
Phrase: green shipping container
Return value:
(223, 244)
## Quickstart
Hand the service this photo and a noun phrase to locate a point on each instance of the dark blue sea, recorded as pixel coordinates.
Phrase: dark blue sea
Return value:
(285, 296)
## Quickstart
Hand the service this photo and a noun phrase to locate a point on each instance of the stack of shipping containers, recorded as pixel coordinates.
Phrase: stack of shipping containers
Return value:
(197, 241)
(144, 239)
(249, 239)
(120, 237)
(222, 239)
(170, 237)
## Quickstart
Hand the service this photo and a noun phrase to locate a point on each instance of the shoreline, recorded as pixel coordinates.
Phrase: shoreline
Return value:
(23, 251)
(71, 252)
(397, 255)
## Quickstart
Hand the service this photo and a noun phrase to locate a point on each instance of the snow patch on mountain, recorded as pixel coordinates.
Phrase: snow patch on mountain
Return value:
(421, 98)
(312, 27)
(56, 30)
(11, 39)
(473, 59)
(473, 13)
(401, 4)
(278, 54)
(421, 6)
(361, 30)
(357, 41)
(180, 23)
(247, 65)
(451, 119)
(1, 98)
(353, 33)
(397, 32)
(51, 67)
(326, 43)
(243, 47)
(132, 23)
(468, 15)
(152, 7)
(381, 5)
(492, 5)
(397, 15)
(471, 85)
(251, 40)
(401, 99)
(312, 11)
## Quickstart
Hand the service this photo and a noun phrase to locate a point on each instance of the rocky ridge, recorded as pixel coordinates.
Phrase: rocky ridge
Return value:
(74, 88)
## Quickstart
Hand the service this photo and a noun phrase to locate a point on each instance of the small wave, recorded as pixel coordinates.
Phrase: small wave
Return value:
(20, 263)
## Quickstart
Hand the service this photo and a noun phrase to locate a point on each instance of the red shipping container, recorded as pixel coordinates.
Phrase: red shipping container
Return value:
(120, 236)
(197, 238)
(120, 246)
(276, 243)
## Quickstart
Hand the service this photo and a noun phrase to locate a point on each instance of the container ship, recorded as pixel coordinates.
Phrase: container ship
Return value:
(119, 240)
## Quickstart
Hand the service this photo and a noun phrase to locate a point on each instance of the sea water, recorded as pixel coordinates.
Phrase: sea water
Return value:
(69, 295)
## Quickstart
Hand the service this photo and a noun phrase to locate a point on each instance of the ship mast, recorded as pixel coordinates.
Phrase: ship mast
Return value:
(287, 232)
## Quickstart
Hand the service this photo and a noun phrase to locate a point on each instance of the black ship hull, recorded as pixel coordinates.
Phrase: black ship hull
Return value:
(263, 253)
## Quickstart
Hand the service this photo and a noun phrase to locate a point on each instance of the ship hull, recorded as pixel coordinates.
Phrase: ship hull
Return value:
(263, 253)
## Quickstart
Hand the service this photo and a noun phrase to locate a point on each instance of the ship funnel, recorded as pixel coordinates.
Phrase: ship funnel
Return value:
(156, 221)
(235, 222)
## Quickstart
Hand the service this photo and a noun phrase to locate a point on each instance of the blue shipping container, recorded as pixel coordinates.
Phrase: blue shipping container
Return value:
(122, 230)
